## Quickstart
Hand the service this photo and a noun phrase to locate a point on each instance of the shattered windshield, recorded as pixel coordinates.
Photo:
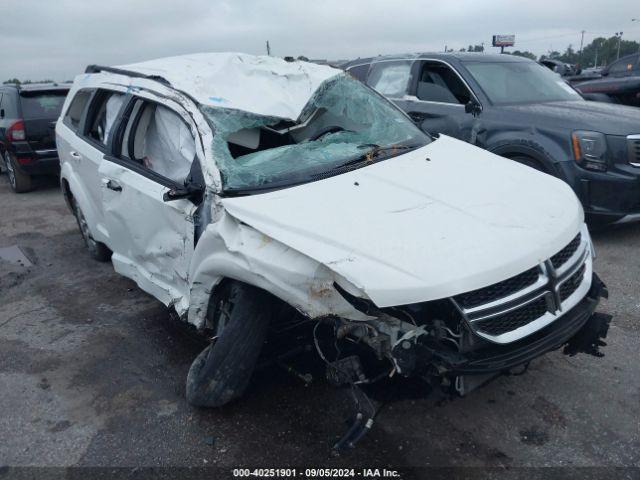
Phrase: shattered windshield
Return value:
(344, 123)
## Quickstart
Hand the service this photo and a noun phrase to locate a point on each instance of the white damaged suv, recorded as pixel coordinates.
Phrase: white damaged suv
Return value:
(228, 186)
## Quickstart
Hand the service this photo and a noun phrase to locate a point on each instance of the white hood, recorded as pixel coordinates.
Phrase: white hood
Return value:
(435, 222)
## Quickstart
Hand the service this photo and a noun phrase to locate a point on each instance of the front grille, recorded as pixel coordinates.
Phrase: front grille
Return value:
(498, 290)
(541, 293)
(515, 319)
(634, 149)
(565, 254)
(572, 284)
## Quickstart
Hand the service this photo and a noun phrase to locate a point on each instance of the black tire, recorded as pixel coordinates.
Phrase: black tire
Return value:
(20, 182)
(529, 162)
(221, 372)
(97, 250)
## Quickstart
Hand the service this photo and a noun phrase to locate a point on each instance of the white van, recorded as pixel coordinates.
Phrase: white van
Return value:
(228, 185)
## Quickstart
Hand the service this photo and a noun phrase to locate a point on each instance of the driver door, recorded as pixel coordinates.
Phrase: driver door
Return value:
(437, 102)
(152, 239)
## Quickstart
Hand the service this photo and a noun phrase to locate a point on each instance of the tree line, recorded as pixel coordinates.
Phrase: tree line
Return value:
(599, 52)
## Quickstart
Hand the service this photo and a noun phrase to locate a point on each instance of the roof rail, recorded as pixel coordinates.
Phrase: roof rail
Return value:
(128, 73)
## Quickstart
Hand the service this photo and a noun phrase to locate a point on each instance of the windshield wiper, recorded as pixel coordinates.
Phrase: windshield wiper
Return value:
(373, 154)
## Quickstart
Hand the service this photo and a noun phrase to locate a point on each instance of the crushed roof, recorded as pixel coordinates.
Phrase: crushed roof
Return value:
(258, 84)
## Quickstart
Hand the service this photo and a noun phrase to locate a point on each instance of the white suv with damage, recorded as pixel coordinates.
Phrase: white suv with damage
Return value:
(232, 187)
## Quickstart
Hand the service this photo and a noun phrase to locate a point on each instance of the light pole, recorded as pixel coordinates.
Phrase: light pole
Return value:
(637, 20)
(619, 36)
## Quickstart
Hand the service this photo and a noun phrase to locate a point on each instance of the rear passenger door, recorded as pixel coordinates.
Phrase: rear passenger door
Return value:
(152, 239)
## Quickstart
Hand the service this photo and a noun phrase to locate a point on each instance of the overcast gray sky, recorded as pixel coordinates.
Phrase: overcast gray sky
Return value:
(57, 39)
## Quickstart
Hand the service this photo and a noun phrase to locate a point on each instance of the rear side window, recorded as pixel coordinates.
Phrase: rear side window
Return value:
(102, 115)
(390, 78)
(42, 105)
(74, 113)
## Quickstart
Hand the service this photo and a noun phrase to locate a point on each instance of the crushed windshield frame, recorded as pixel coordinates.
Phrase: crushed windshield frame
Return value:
(380, 131)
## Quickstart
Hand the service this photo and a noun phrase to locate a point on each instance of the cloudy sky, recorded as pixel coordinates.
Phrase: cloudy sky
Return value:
(57, 39)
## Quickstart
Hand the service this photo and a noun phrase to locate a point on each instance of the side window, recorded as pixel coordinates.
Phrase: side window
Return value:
(439, 83)
(359, 72)
(74, 112)
(9, 105)
(102, 115)
(390, 78)
(158, 139)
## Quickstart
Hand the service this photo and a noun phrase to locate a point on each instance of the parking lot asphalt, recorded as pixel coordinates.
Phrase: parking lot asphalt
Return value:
(92, 373)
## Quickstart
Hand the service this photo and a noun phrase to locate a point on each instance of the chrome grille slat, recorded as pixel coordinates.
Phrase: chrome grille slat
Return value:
(560, 258)
(561, 283)
(516, 319)
(499, 290)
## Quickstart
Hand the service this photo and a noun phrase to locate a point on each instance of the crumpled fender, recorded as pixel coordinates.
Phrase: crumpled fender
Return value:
(231, 249)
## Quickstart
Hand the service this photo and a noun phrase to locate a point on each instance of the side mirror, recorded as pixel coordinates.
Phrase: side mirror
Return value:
(473, 107)
(604, 72)
(191, 191)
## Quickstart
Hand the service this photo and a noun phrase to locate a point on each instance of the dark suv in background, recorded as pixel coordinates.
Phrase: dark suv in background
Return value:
(28, 115)
(619, 82)
(516, 108)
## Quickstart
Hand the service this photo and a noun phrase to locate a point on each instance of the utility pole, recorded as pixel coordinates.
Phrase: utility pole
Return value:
(619, 35)
(596, 62)
(268, 49)
(581, 43)
(637, 20)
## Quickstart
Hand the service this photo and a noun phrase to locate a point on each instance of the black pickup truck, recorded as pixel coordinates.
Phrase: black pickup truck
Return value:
(28, 115)
(516, 108)
(620, 82)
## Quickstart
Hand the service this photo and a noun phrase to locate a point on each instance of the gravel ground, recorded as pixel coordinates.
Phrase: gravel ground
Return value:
(92, 373)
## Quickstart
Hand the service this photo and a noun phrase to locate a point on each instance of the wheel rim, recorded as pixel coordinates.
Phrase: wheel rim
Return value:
(10, 172)
(84, 230)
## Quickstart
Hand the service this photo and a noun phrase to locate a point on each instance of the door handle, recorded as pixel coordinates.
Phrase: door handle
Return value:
(113, 185)
(75, 155)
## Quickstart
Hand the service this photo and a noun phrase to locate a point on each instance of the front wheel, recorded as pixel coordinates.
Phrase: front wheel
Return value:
(97, 250)
(239, 318)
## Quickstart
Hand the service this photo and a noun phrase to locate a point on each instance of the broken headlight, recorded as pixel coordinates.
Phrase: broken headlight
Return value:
(590, 150)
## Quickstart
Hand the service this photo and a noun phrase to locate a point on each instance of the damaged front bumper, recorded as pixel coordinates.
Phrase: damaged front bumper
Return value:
(501, 358)
(432, 356)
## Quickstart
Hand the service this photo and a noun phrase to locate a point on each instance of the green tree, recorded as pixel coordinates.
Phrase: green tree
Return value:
(475, 48)
(601, 50)
(526, 54)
